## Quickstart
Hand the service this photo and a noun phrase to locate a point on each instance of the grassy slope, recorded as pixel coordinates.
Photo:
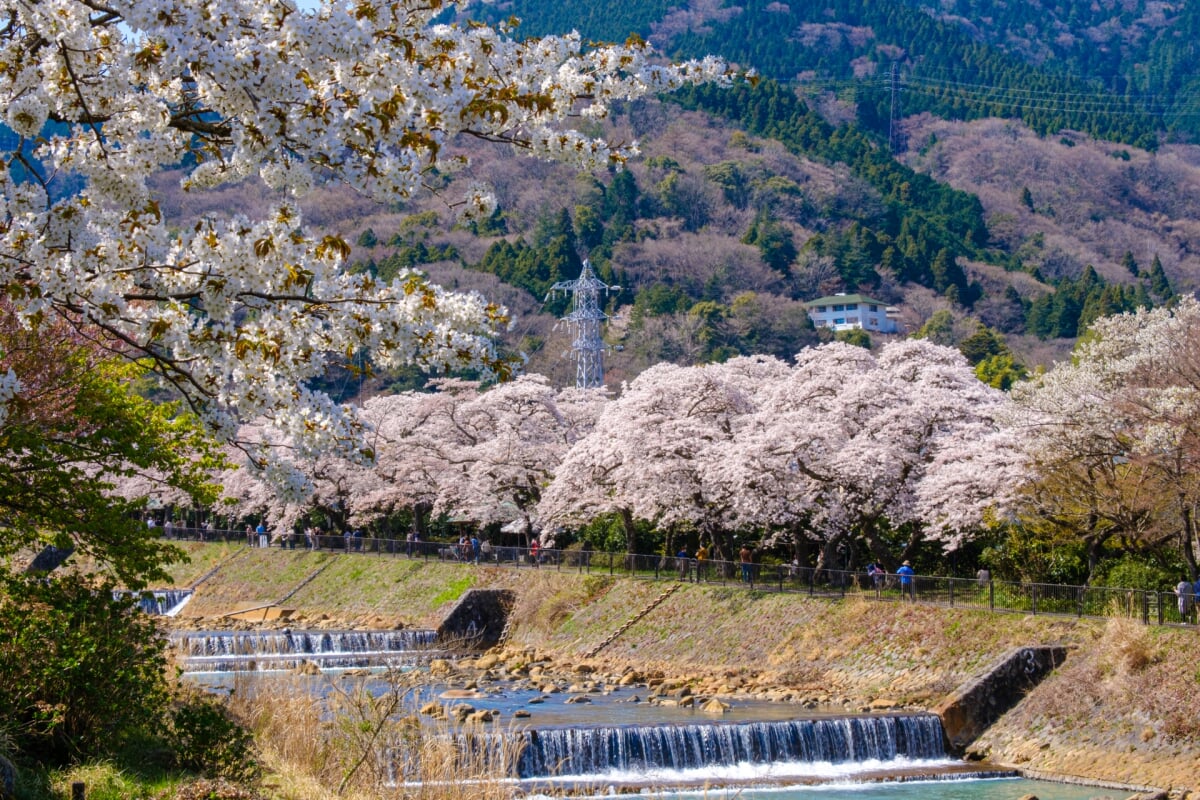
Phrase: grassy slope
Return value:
(1125, 707)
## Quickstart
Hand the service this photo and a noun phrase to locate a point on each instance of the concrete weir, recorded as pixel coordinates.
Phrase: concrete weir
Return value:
(477, 619)
(976, 705)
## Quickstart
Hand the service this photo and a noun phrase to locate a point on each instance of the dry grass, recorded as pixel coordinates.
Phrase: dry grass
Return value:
(348, 739)
(1128, 647)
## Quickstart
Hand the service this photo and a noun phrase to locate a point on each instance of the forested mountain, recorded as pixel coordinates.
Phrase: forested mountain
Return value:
(1028, 179)
(1118, 71)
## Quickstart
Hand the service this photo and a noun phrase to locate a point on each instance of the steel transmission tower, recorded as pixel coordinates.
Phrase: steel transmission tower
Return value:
(895, 133)
(584, 320)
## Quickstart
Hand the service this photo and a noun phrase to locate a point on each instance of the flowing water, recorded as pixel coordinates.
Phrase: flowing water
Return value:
(618, 741)
(635, 750)
(160, 602)
(950, 788)
(239, 651)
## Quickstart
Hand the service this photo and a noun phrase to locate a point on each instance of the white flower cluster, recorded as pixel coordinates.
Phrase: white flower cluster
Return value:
(10, 387)
(238, 315)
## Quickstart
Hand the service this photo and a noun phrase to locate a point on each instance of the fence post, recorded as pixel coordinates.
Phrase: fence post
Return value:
(950, 581)
(610, 563)
(991, 595)
(78, 790)
(1146, 608)
(1079, 600)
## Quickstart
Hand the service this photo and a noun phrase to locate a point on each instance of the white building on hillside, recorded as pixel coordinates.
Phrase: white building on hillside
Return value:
(843, 312)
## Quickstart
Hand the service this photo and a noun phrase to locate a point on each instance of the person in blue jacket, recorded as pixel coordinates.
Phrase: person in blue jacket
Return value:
(906, 579)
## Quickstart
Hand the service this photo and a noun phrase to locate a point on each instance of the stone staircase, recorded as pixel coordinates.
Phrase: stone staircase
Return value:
(670, 590)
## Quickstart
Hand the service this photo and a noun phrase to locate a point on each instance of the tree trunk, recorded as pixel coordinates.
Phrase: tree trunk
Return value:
(420, 512)
(910, 549)
(1094, 544)
(630, 531)
(1190, 541)
(829, 560)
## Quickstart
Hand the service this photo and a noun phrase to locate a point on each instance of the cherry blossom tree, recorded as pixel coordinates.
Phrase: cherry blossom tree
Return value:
(1114, 435)
(502, 446)
(474, 454)
(655, 453)
(236, 315)
(400, 475)
(404, 474)
(844, 445)
(909, 438)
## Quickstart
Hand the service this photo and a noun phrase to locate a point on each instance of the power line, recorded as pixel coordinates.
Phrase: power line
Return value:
(1018, 100)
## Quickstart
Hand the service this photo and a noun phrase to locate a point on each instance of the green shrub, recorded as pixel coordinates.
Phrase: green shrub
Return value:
(208, 741)
(1132, 572)
(79, 670)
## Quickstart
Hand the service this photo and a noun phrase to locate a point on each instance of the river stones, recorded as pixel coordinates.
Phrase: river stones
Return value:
(487, 661)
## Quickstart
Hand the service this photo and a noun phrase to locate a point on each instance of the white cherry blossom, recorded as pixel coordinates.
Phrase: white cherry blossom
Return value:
(237, 315)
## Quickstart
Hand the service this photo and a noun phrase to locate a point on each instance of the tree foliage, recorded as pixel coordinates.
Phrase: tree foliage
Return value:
(237, 314)
(80, 670)
(73, 432)
(1112, 436)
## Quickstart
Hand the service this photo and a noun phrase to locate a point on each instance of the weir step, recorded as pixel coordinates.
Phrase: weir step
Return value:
(633, 620)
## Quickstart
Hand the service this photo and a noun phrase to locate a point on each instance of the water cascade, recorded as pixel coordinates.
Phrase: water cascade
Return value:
(596, 751)
(241, 651)
(161, 602)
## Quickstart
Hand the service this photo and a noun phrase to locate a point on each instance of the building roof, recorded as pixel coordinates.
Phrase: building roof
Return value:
(841, 299)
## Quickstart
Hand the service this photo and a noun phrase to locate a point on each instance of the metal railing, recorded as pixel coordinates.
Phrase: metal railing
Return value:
(1150, 607)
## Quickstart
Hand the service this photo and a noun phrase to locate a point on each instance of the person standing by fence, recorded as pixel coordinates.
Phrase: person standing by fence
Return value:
(681, 563)
(877, 574)
(1184, 597)
(907, 587)
(746, 555)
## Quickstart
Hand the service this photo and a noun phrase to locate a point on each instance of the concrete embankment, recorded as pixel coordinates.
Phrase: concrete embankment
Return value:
(1124, 706)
